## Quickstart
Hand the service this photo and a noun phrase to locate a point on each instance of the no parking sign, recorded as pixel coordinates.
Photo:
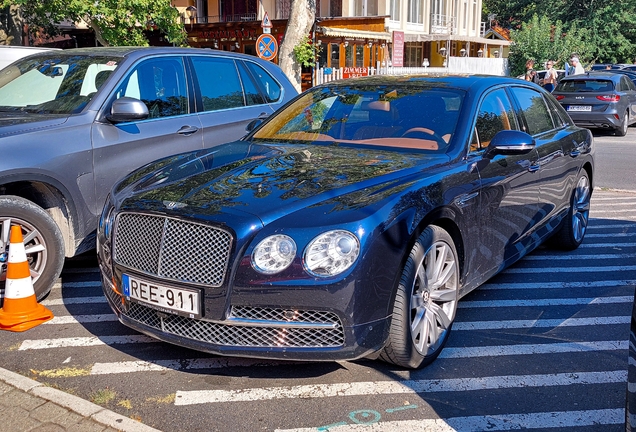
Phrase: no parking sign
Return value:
(266, 46)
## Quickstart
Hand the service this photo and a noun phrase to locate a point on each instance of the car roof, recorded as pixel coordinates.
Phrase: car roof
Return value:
(439, 80)
(139, 52)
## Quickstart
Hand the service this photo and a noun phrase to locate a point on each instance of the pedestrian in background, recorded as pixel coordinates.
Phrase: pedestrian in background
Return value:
(550, 78)
(576, 67)
(531, 74)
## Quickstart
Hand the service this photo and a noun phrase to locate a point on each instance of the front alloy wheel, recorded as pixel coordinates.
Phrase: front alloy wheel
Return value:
(425, 302)
(43, 242)
(572, 232)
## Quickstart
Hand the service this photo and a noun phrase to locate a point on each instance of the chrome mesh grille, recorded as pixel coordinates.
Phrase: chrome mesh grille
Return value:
(245, 336)
(172, 248)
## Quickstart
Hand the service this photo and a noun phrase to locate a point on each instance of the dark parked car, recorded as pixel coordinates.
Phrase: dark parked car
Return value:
(73, 122)
(350, 223)
(603, 100)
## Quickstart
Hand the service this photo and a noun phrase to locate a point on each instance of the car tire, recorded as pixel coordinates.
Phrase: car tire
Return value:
(425, 303)
(43, 242)
(622, 129)
(572, 231)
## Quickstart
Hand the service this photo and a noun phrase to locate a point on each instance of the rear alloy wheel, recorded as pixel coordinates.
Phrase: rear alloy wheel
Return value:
(622, 129)
(572, 231)
(43, 242)
(425, 302)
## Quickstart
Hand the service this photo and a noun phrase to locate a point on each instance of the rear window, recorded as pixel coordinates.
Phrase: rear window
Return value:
(592, 85)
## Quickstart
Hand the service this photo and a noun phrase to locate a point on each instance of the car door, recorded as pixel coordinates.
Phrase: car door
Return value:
(229, 96)
(551, 142)
(629, 89)
(172, 127)
(509, 192)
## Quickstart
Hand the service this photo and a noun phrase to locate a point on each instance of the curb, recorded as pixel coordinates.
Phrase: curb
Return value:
(76, 404)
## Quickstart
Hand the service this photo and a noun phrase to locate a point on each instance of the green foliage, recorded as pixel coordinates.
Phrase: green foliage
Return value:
(115, 22)
(608, 29)
(541, 41)
(305, 52)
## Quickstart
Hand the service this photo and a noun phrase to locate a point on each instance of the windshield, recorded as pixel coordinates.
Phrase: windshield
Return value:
(416, 117)
(591, 85)
(53, 83)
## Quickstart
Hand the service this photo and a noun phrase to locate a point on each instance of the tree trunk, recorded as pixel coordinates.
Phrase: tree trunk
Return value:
(300, 23)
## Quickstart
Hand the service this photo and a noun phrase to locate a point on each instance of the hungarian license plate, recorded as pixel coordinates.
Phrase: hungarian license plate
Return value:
(579, 108)
(163, 298)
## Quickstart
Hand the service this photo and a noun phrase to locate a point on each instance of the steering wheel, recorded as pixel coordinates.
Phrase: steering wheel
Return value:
(425, 133)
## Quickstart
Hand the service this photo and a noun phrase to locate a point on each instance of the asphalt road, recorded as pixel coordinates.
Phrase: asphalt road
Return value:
(543, 345)
(615, 160)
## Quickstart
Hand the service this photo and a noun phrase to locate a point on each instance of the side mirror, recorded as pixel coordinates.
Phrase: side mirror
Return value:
(127, 109)
(253, 124)
(509, 142)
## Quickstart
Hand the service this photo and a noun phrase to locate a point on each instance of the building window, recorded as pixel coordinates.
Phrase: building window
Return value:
(475, 16)
(465, 23)
(413, 55)
(366, 7)
(415, 14)
(395, 10)
(335, 8)
(283, 8)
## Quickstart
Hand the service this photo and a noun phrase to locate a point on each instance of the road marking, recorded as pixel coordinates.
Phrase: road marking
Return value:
(500, 422)
(526, 349)
(545, 302)
(84, 342)
(578, 257)
(80, 319)
(606, 235)
(372, 388)
(543, 270)
(85, 284)
(73, 300)
(606, 245)
(181, 365)
(541, 323)
(553, 285)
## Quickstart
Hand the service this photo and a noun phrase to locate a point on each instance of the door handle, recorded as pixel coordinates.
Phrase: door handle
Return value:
(187, 130)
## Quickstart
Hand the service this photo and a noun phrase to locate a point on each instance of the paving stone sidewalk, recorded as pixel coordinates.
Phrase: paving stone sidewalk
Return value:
(27, 405)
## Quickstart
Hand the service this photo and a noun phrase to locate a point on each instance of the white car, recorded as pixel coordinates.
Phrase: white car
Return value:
(10, 53)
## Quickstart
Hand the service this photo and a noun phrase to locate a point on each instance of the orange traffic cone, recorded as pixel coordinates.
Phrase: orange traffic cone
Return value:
(21, 310)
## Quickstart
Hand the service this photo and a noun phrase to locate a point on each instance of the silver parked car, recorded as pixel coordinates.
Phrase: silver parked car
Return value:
(72, 122)
(602, 100)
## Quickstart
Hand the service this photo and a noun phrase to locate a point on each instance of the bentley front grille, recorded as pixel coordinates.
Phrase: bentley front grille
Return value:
(171, 248)
(271, 327)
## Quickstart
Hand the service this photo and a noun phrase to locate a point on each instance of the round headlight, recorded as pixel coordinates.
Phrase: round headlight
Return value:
(273, 254)
(331, 253)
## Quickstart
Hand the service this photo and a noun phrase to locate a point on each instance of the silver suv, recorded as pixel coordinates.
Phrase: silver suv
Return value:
(72, 122)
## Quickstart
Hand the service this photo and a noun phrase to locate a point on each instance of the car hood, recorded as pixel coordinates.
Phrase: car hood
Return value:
(265, 180)
(14, 122)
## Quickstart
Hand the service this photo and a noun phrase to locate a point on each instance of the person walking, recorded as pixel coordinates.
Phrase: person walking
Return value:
(577, 67)
(550, 78)
(531, 74)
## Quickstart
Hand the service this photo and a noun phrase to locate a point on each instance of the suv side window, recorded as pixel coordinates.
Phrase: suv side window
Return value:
(219, 83)
(160, 83)
(534, 110)
(269, 86)
(495, 114)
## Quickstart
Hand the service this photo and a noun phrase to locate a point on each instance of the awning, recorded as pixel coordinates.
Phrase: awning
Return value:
(354, 34)
(422, 37)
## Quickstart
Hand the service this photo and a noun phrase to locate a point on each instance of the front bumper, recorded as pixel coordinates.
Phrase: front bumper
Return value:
(256, 332)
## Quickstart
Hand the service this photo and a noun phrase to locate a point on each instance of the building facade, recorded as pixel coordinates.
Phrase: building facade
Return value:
(351, 33)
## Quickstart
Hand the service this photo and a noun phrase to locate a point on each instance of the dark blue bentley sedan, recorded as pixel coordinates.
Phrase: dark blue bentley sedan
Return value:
(348, 224)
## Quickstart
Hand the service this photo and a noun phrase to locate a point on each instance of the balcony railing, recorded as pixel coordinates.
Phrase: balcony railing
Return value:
(443, 24)
(219, 18)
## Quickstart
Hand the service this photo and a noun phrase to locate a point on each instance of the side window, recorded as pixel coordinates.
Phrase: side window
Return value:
(495, 114)
(252, 95)
(534, 109)
(219, 83)
(160, 84)
(559, 115)
(630, 85)
(269, 86)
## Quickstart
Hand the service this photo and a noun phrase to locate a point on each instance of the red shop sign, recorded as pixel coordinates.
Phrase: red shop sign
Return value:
(354, 72)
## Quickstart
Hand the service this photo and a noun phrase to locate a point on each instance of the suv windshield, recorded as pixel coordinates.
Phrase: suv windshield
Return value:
(414, 117)
(53, 83)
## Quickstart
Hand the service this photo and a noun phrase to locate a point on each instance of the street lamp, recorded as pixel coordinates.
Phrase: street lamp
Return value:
(425, 63)
(192, 12)
(462, 52)
(480, 53)
(442, 51)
